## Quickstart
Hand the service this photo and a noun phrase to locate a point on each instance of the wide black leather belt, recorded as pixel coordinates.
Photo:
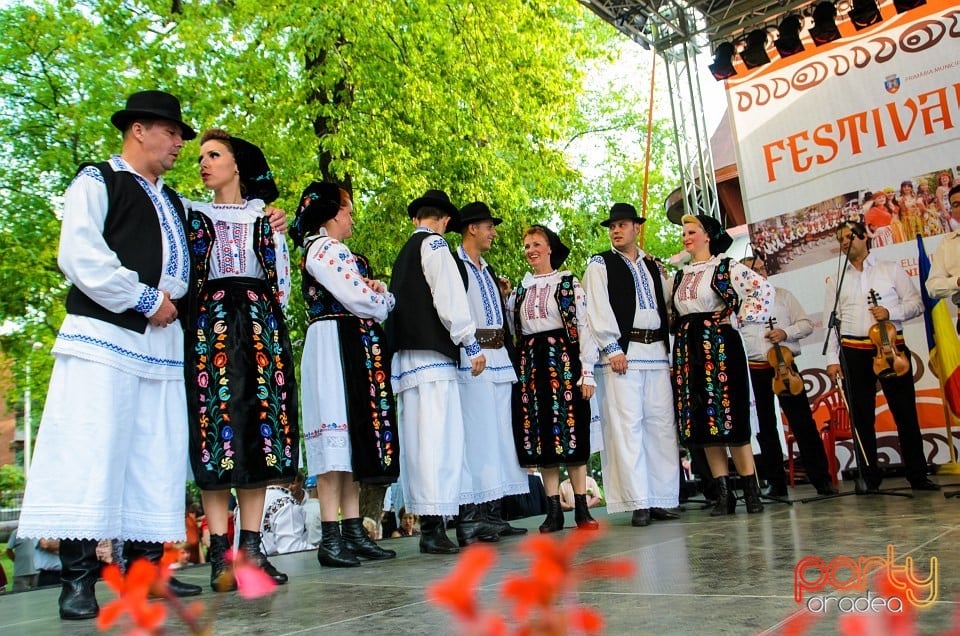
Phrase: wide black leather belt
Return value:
(490, 338)
(646, 336)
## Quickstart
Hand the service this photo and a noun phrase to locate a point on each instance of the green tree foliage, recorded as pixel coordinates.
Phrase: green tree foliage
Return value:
(481, 99)
(11, 483)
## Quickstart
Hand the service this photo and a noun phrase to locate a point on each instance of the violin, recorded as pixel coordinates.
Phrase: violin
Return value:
(889, 361)
(786, 381)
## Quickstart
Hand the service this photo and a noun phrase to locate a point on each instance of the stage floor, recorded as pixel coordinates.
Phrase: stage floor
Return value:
(728, 575)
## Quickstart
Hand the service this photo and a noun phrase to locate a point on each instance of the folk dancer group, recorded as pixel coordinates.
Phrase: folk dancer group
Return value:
(175, 347)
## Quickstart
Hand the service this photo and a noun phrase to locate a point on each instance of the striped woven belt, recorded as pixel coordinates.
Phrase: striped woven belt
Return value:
(855, 342)
(759, 365)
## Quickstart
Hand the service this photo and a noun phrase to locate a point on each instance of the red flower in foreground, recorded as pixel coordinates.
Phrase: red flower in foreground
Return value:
(538, 600)
(252, 582)
(457, 592)
(132, 591)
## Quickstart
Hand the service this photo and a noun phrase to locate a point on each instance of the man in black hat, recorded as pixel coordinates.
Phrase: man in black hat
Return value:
(111, 450)
(429, 325)
(627, 313)
(490, 467)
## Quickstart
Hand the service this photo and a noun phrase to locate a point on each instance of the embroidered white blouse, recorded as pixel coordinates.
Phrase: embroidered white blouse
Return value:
(540, 313)
(694, 294)
(334, 266)
(233, 254)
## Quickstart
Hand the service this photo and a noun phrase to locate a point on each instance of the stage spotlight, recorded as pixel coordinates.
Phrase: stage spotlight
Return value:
(824, 27)
(722, 66)
(754, 54)
(788, 43)
(864, 13)
(906, 5)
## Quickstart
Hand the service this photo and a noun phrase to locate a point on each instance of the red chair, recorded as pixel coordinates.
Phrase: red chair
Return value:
(838, 427)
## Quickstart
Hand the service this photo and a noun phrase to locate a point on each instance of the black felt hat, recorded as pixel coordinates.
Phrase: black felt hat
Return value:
(433, 198)
(622, 212)
(720, 241)
(318, 204)
(152, 105)
(255, 174)
(558, 251)
(473, 213)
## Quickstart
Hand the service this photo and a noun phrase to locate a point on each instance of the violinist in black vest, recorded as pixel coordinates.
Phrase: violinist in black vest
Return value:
(627, 313)
(875, 291)
(110, 460)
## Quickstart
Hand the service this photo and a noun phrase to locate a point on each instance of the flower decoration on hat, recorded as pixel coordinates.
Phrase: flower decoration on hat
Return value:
(319, 203)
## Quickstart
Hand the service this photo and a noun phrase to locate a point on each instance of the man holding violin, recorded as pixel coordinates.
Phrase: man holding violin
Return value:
(770, 366)
(873, 348)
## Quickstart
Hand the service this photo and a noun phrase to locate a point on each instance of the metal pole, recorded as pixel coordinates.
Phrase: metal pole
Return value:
(26, 421)
(27, 417)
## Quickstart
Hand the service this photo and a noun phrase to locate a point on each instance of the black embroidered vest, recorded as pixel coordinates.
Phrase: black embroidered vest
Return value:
(414, 323)
(624, 305)
(132, 230)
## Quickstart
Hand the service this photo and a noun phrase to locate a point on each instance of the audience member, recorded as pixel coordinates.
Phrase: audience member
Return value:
(408, 525)
(594, 494)
(284, 527)
(20, 551)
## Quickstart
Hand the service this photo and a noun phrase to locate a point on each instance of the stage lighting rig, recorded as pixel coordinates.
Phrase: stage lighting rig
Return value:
(754, 54)
(864, 13)
(722, 66)
(788, 41)
(824, 27)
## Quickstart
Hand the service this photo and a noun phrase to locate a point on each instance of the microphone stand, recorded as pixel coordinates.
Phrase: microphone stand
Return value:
(833, 328)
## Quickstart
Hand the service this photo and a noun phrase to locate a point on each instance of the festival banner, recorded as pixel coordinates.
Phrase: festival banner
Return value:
(864, 128)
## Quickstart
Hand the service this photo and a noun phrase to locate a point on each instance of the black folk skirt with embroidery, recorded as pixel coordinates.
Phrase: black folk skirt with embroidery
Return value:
(241, 388)
(711, 383)
(551, 422)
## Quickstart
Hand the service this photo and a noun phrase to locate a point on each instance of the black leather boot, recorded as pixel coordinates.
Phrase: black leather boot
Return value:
(221, 574)
(433, 536)
(725, 502)
(554, 520)
(332, 552)
(153, 551)
(581, 514)
(493, 511)
(356, 540)
(79, 568)
(751, 493)
(250, 545)
(474, 527)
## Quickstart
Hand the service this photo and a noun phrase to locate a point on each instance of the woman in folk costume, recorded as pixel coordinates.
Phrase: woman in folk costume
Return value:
(348, 404)
(241, 388)
(556, 358)
(710, 375)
